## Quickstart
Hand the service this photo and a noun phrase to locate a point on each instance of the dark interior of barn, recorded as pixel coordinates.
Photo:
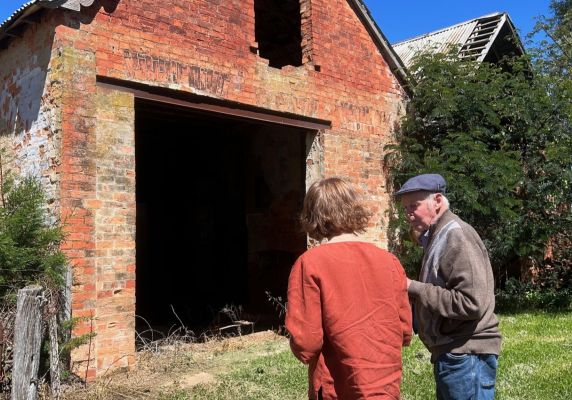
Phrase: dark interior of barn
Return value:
(217, 203)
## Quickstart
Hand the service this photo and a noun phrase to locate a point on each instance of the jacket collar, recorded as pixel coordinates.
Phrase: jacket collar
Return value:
(440, 223)
(345, 237)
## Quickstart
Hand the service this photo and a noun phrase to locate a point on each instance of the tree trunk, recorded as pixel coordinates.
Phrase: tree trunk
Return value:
(27, 343)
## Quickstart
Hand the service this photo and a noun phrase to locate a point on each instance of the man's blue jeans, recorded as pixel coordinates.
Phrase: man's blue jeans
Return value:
(465, 376)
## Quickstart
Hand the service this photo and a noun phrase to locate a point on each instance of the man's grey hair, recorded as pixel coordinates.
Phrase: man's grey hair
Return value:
(432, 197)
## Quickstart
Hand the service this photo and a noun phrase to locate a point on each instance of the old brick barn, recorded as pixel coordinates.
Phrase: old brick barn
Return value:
(176, 140)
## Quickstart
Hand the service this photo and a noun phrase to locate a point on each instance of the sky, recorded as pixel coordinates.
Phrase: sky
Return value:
(400, 20)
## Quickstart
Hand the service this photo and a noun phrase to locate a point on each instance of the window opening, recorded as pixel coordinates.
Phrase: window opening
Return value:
(278, 31)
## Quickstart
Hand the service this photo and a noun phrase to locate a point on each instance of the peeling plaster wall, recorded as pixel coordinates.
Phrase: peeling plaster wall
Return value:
(30, 123)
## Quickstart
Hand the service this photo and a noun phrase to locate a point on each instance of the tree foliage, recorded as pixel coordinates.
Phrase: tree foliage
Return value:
(30, 240)
(553, 53)
(29, 243)
(501, 136)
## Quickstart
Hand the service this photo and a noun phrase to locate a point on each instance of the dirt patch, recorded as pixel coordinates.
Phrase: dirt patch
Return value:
(198, 379)
(178, 365)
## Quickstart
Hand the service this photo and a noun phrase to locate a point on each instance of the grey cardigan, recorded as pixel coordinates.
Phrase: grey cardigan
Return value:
(454, 297)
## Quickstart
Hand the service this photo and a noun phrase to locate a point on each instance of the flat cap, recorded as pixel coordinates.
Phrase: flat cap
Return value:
(427, 182)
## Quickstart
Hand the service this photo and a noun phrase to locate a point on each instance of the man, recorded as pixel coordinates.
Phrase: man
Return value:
(454, 296)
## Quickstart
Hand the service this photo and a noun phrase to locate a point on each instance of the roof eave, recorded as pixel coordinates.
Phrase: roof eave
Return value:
(33, 6)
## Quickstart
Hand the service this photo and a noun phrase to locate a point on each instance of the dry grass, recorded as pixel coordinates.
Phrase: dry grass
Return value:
(173, 364)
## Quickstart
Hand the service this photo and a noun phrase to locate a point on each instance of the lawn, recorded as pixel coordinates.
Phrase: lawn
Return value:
(535, 364)
(536, 359)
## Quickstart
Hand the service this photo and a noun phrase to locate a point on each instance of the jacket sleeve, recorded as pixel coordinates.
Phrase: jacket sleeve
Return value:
(304, 313)
(402, 299)
(465, 268)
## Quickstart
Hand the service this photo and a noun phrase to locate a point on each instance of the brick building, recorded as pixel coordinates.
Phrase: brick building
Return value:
(176, 140)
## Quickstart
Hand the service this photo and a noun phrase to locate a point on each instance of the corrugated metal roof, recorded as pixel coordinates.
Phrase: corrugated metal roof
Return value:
(439, 41)
(35, 4)
(17, 13)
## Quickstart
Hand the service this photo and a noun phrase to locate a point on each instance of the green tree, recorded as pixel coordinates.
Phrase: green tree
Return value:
(500, 135)
(461, 123)
(552, 58)
(553, 53)
(29, 243)
(30, 251)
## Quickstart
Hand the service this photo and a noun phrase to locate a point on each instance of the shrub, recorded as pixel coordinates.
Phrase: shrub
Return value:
(29, 244)
(525, 296)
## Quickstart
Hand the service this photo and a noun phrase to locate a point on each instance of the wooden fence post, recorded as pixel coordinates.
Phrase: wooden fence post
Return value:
(54, 357)
(27, 343)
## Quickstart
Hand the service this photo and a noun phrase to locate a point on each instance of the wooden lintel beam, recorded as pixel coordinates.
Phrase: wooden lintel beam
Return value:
(32, 18)
(16, 31)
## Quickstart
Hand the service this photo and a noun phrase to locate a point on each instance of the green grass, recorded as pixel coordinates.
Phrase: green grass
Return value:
(536, 358)
(535, 364)
(272, 377)
(417, 381)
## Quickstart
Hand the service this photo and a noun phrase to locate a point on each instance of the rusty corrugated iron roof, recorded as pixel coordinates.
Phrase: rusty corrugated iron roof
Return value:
(473, 38)
(34, 5)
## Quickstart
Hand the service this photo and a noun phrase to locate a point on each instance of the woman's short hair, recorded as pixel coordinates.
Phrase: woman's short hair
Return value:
(332, 206)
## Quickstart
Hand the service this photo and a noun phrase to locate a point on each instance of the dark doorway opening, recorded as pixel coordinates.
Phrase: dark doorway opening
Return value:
(217, 202)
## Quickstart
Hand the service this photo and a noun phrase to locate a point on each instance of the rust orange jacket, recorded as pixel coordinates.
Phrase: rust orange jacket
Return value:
(348, 315)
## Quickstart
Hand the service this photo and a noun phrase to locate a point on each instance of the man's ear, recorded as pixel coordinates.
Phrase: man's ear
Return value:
(438, 197)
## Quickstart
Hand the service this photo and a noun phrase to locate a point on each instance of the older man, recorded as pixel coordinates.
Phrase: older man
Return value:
(454, 296)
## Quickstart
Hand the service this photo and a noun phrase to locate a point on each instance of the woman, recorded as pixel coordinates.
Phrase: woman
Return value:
(348, 313)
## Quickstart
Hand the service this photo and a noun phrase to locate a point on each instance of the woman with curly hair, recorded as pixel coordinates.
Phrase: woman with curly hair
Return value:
(348, 313)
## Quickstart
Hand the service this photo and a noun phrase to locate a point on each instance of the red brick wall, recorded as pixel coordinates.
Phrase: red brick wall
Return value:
(78, 192)
(207, 52)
